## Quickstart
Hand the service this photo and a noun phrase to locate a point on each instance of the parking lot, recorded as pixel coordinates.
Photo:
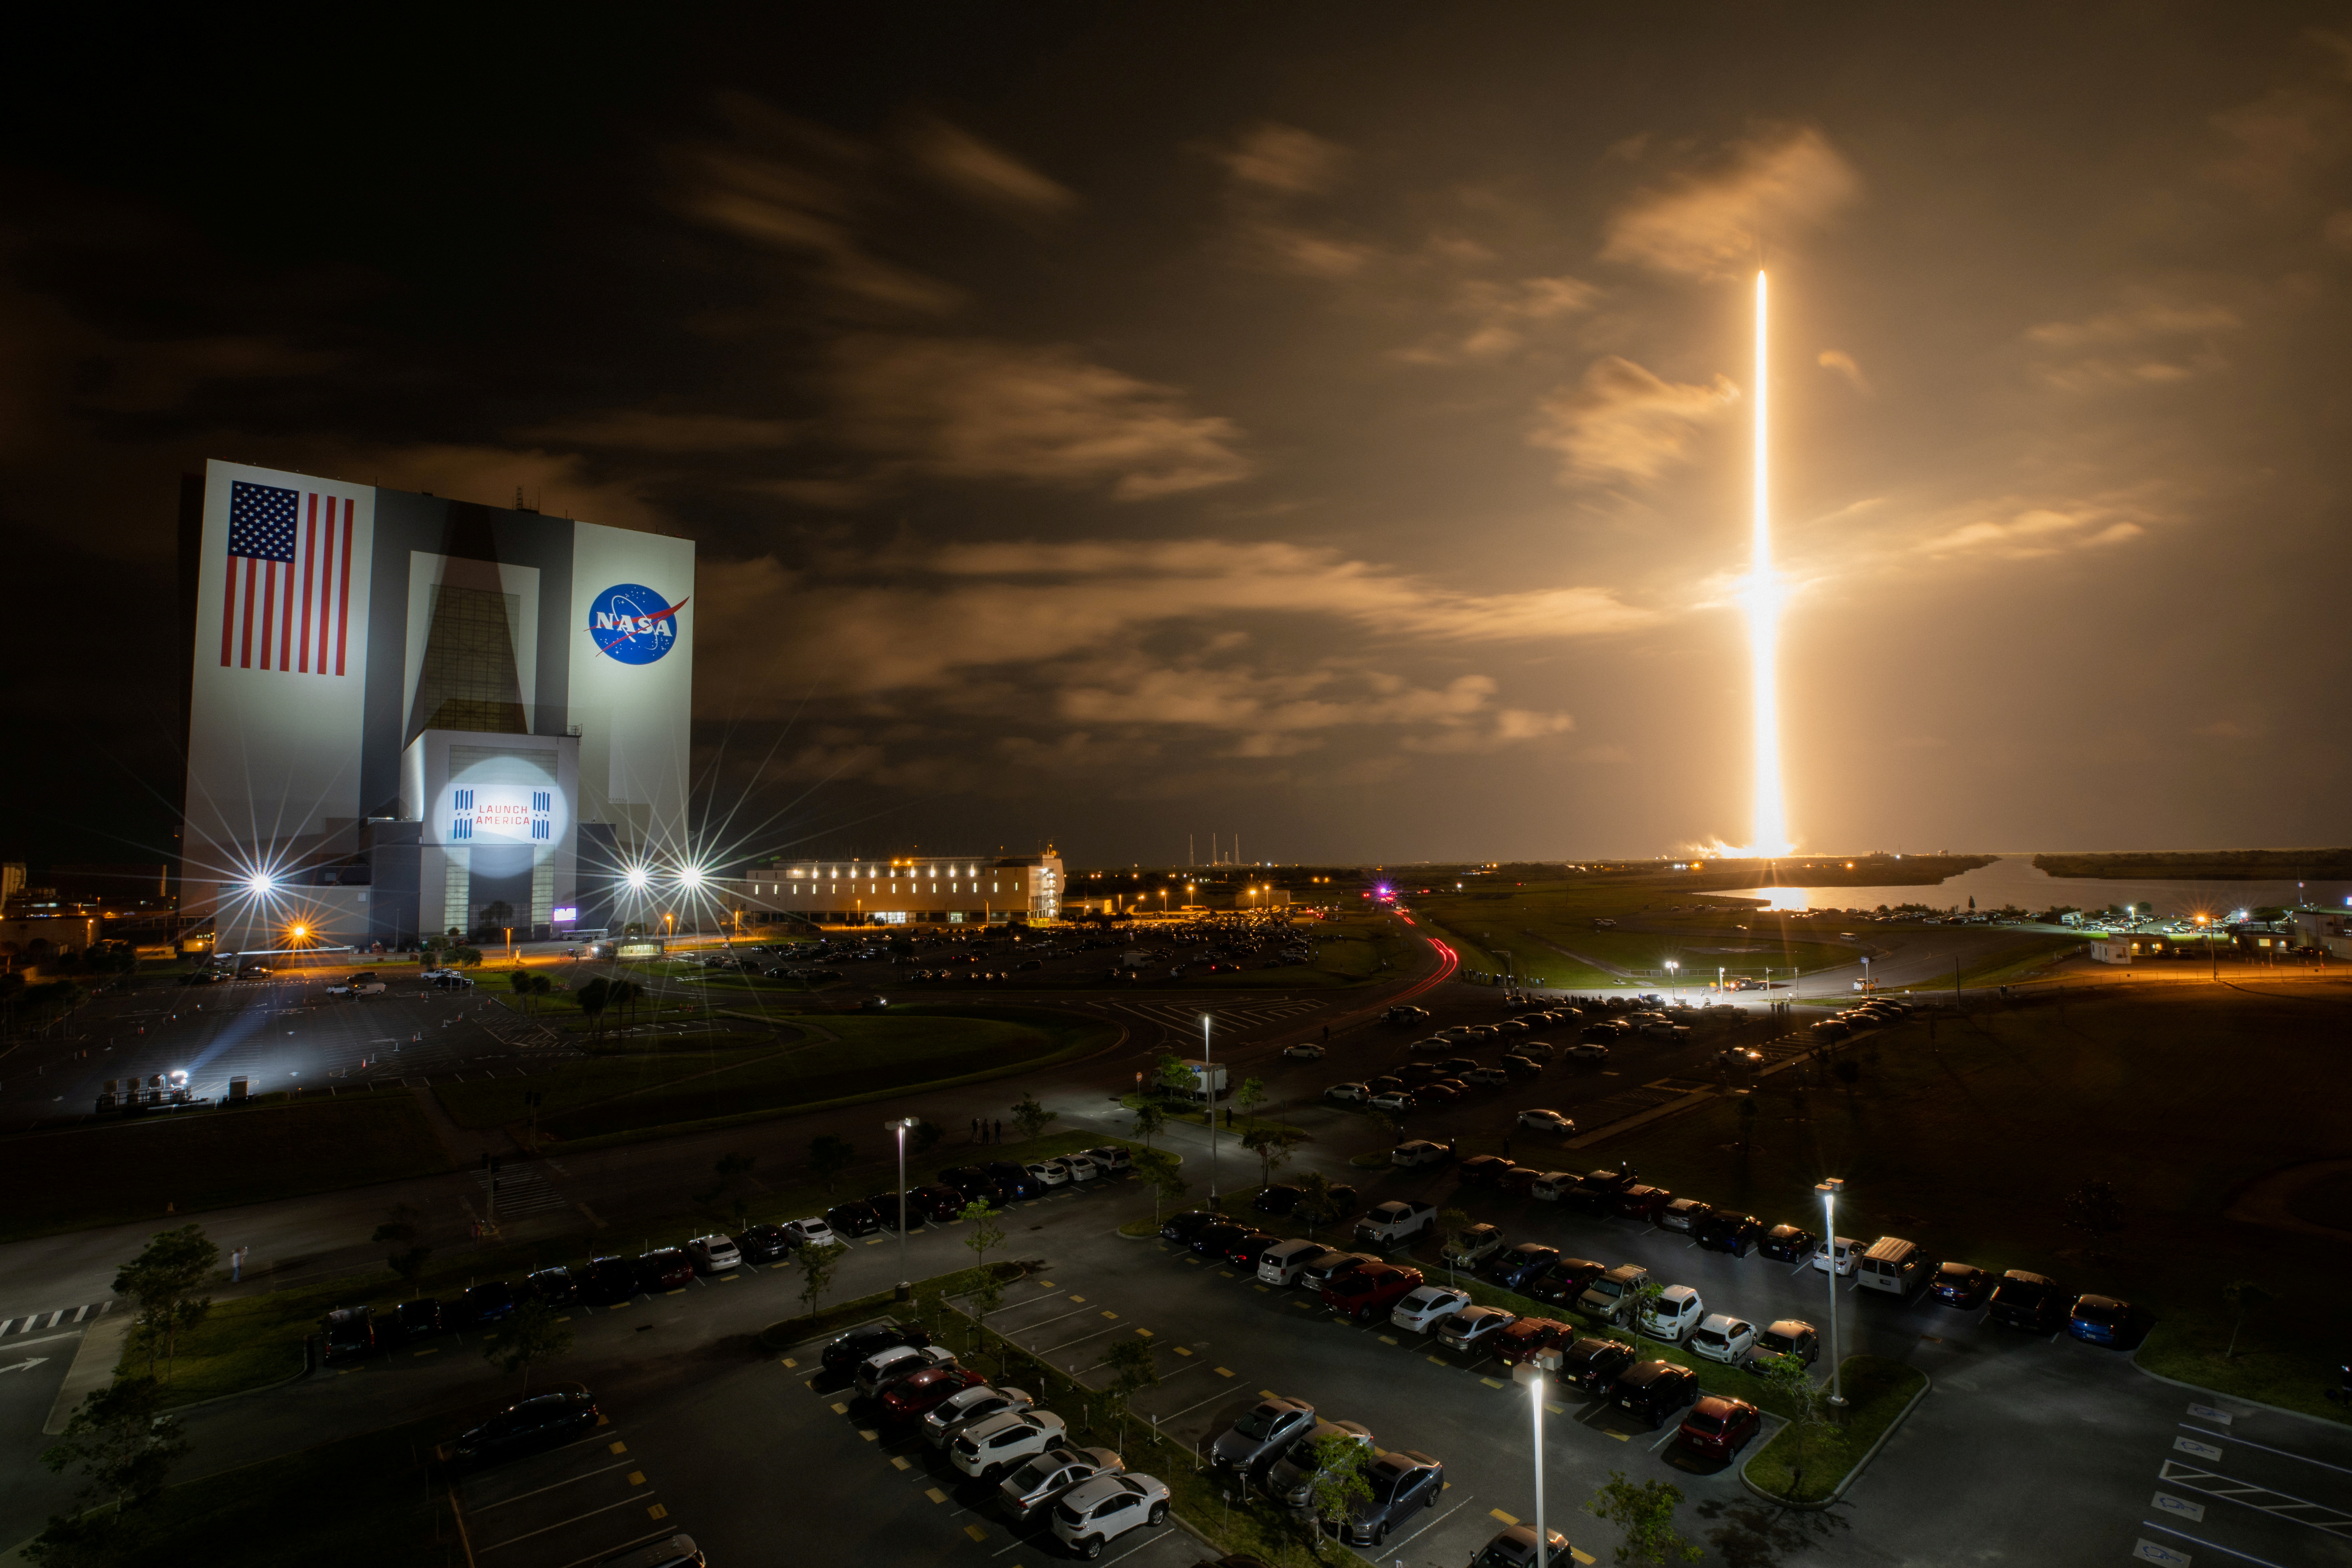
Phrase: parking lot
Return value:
(584, 1501)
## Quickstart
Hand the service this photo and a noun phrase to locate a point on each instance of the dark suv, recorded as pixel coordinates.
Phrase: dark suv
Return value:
(1014, 1181)
(853, 1219)
(665, 1268)
(1596, 1190)
(1723, 1231)
(1564, 1281)
(1184, 1226)
(764, 1244)
(350, 1333)
(528, 1424)
(2030, 1301)
(1652, 1390)
(848, 1349)
(607, 1281)
(1595, 1365)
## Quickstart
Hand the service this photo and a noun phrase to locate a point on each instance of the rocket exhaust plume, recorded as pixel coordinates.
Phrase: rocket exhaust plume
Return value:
(1768, 832)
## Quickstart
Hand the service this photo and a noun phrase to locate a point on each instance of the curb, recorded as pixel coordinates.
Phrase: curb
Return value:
(296, 1376)
(2236, 1398)
(1926, 1384)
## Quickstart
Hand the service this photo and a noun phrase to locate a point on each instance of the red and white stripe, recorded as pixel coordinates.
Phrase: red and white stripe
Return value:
(303, 623)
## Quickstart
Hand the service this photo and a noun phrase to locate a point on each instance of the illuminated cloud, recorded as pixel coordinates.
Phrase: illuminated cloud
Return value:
(972, 167)
(1713, 225)
(1285, 159)
(646, 431)
(1625, 422)
(1843, 363)
(2035, 532)
(1500, 316)
(2149, 342)
(972, 409)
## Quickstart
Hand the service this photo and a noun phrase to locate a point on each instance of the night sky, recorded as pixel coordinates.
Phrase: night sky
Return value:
(1102, 423)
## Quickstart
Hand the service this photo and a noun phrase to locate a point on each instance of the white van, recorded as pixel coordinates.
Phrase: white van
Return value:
(1891, 1264)
(1281, 1263)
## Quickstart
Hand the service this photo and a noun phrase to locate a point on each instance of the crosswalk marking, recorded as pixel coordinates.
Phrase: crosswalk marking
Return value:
(26, 1325)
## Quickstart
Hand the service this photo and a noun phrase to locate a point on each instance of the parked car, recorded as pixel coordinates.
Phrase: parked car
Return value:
(1471, 1247)
(1114, 1160)
(1267, 1429)
(348, 1333)
(1785, 1337)
(1290, 1480)
(537, 1422)
(988, 1447)
(853, 1219)
(1420, 1311)
(1682, 1213)
(1849, 1254)
(1184, 1226)
(812, 1232)
(1395, 1100)
(1553, 1187)
(1245, 1250)
(852, 1346)
(2026, 1300)
(1959, 1284)
(938, 1203)
(1724, 1231)
(1639, 1202)
(1594, 1364)
(1480, 1170)
(1652, 1390)
(1788, 1244)
(764, 1244)
(665, 1268)
(1518, 1180)
(1530, 1337)
(558, 1286)
(1368, 1292)
(1049, 1172)
(1516, 1548)
(925, 1389)
(1282, 1263)
(1719, 1426)
(1014, 1181)
(411, 1320)
(946, 1421)
(1321, 1271)
(1348, 1093)
(1211, 1240)
(1723, 1338)
(1565, 1281)
(1395, 1222)
(1675, 1313)
(1472, 1327)
(1404, 1482)
(1517, 1265)
(884, 1367)
(973, 1182)
(607, 1281)
(1093, 1513)
(1588, 1051)
(1038, 1484)
(713, 1254)
(1419, 1151)
(1609, 1297)
(488, 1302)
(2100, 1320)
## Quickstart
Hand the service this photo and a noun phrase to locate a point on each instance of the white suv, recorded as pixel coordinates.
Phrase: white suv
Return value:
(1051, 1173)
(1723, 1338)
(713, 1254)
(987, 1449)
(1675, 1313)
(946, 1421)
(1092, 1513)
(1282, 1263)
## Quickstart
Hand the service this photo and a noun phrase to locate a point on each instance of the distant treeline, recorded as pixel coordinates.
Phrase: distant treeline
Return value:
(2206, 866)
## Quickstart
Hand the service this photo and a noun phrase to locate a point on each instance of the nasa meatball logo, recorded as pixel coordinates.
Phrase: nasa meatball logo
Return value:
(633, 623)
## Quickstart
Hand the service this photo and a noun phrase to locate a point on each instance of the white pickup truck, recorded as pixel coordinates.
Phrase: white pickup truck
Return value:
(1396, 1221)
(357, 988)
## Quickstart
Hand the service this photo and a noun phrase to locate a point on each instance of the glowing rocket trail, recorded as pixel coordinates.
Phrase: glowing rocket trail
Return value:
(1771, 829)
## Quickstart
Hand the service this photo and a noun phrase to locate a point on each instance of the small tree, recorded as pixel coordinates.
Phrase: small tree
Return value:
(1318, 1204)
(828, 1157)
(2094, 1209)
(2243, 1296)
(1250, 1096)
(731, 1195)
(1792, 1381)
(406, 1238)
(1030, 1117)
(1646, 1512)
(1132, 1370)
(925, 1137)
(1150, 1117)
(1170, 1073)
(163, 1279)
(1453, 1227)
(1164, 1174)
(1340, 1480)
(986, 1235)
(1388, 1121)
(818, 1262)
(1638, 1299)
(530, 1335)
(1272, 1145)
(125, 1447)
(520, 984)
(594, 998)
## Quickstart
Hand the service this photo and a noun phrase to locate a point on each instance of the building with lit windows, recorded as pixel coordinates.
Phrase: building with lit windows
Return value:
(408, 715)
(930, 890)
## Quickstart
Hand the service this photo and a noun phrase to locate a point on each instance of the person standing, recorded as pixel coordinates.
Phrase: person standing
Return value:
(999, 1130)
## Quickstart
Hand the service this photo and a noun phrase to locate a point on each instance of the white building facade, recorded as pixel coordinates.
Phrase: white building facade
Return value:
(922, 890)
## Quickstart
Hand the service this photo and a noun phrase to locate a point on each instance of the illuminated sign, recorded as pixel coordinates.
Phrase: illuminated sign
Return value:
(565, 914)
(501, 813)
(633, 623)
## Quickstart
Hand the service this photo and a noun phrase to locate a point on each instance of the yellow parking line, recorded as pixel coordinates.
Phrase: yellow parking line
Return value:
(1221, 1371)
(1110, 1314)
(1045, 1284)
(975, 1531)
(1179, 1349)
(1080, 1300)
(790, 1362)
(1267, 1394)
(1386, 1341)
(656, 1511)
(636, 1478)
(900, 1462)
(840, 1409)
(1435, 1361)
(868, 1435)
(1490, 1383)
(618, 1448)
(1506, 1518)
(935, 1494)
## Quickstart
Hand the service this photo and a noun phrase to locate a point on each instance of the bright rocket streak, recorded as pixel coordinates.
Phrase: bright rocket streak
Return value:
(1770, 830)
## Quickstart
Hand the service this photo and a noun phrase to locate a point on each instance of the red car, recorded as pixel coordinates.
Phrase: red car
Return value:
(1370, 1292)
(1720, 1426)
(1529, 1335)
(665, 1268)
(1642, 1203)
(916, 1393)
(1244, 1250)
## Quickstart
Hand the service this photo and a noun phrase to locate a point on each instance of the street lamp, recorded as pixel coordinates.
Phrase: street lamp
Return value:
(1209, 1087)
(1674, 977)
(899, 1126)
(2205, 923)
(1830, 1189)
(1536, 1401)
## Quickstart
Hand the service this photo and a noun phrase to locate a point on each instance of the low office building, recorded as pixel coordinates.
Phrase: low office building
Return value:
(927, 889)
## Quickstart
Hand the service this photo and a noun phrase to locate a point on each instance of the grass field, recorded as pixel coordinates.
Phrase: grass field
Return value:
(133, 1170)
(1969, 1141)
(1808, 1467)
(362, 1502)
(668, 1086)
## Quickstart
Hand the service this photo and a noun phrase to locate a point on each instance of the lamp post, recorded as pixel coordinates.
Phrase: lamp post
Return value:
(1208, 1089)
(1536, 1399)
(899, 1126)
(1830, 1189)
(1673, 978)
(2213, 958)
